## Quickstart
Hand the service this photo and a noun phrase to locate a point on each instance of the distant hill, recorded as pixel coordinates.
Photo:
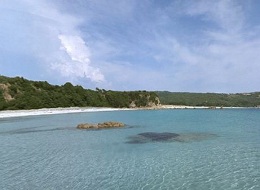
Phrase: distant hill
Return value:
(210, 99)
(20, 93)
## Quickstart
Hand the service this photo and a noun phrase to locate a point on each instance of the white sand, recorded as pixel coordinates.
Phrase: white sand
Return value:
(48, 111)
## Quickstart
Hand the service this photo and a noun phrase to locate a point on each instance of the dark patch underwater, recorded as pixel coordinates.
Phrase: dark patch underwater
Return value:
(149, 137)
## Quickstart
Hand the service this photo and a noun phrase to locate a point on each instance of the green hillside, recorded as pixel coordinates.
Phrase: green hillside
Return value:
(20, 93)
(210, 99)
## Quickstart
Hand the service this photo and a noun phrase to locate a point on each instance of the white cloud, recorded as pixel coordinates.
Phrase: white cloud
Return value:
(202, 45)
(79, 65)
(228, 14)
(53, 38)
(224, 58)
(75, 47)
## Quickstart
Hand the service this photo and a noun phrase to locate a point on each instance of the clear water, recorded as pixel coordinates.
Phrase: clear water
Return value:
(47, 152)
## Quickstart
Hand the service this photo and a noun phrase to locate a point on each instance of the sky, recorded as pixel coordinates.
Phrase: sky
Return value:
(172, 45)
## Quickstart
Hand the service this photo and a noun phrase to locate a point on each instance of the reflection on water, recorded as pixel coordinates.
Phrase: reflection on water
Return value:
(169, 137)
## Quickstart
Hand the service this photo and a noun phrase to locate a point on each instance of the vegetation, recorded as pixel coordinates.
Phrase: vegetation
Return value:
(210, 99)
(20, 93)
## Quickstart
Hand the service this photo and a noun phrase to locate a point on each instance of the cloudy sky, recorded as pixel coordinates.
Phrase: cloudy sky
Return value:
(174, 45)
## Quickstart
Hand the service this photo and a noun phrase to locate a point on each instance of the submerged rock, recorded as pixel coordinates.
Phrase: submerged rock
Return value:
(195, 137)
(152, 137)
(168, 137)
(159, 136)
(105, 125)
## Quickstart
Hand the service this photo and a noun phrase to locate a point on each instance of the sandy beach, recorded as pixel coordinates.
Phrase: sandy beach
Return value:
(49, 111)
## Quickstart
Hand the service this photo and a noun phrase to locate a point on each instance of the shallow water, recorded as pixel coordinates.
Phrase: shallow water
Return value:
(216, 149)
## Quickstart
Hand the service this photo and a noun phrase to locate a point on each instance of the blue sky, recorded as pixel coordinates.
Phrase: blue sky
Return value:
(178, 45)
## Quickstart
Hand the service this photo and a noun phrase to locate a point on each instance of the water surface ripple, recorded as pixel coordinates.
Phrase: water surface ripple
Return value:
(213, 149)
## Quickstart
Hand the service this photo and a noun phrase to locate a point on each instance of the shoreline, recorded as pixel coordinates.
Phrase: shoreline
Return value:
(52, 111)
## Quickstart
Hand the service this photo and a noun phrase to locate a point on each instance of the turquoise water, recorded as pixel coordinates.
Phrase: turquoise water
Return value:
(220, 150)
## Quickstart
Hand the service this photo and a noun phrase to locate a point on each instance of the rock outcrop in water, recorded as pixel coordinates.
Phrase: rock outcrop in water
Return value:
(168, 137)
(105, 125)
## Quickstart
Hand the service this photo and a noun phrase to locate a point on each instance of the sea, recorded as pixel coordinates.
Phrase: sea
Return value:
(197, 149)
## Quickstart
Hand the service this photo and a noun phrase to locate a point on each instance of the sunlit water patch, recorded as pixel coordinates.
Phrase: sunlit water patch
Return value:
(168, 149)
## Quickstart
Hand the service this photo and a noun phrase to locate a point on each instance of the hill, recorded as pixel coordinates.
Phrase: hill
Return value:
(210, 99)
(20, 93)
